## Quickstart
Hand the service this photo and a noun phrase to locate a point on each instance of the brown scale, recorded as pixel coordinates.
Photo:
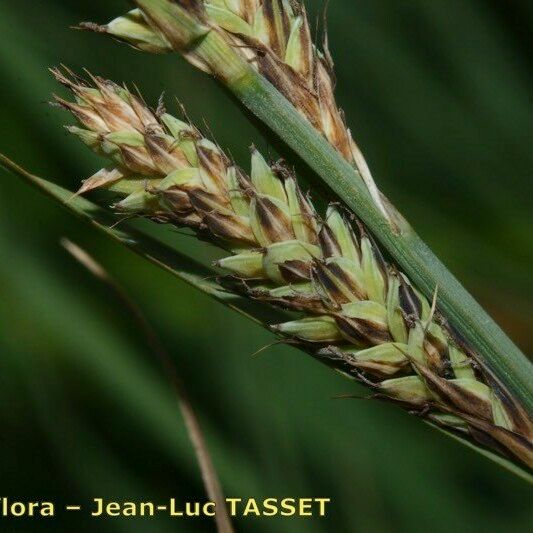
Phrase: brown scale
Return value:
(295, 271)
(438, 356)
(362, 332)
(338, 284)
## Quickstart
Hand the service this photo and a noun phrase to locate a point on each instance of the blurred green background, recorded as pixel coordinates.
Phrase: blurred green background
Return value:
(438, 95)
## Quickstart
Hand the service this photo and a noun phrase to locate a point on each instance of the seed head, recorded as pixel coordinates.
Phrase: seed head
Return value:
(357, 312)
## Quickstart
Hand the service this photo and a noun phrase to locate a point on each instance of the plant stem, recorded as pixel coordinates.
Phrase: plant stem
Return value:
(422, 266)
(508, 364)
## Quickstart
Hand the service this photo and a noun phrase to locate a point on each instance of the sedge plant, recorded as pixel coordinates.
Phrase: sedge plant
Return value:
(363, 293)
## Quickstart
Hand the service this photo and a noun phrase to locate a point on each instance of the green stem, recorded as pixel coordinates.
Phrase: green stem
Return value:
(414, 257)
(408, 250)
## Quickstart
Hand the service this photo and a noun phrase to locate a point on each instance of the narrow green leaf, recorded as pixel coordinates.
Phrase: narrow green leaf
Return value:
(162, 255)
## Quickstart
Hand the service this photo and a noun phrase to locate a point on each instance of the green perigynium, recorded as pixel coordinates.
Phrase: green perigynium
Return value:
(357, 312)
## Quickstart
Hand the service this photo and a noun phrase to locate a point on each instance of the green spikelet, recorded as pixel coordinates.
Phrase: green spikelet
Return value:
(358, 313)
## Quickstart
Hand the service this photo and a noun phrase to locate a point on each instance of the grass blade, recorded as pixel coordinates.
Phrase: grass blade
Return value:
(178, 264)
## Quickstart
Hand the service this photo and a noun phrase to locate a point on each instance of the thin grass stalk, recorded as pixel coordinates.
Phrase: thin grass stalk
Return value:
(208, 472)
(358, 313)
(261, 51)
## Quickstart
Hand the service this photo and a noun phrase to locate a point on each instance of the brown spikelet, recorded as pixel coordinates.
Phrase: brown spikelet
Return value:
(292, 86)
